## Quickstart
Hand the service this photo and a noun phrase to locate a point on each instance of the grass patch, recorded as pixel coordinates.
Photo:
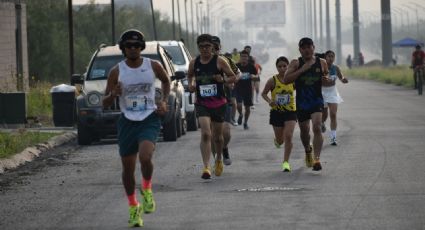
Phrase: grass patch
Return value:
(39, 102)
(397, 75)
(15, 142)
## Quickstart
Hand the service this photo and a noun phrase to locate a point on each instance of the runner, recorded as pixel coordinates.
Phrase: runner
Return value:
(331, 96)
(235, 55)
(133, 81)
(211, 102)
(282, 110)
(418, 59)
(228, 87)
(244, 88)
(308, 72)
(256, 83)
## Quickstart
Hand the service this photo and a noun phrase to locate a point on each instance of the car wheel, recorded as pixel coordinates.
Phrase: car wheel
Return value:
(85, 136)
(170, 129)
(192, 122)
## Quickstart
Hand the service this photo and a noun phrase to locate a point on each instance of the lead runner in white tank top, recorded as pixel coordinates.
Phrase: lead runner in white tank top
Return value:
(138, 90)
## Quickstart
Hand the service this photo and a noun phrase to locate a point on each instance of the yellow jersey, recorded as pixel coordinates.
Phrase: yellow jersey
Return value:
(283, 95)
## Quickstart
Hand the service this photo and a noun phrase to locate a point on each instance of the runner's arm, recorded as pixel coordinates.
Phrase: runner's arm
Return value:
(325, 77)
(292, 73)
(163, 77)
(267, 88)
(113, 89)
(225, 67)
(340, 75)
(191, 75)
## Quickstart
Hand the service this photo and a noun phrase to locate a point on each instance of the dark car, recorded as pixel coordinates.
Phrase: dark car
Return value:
(95, 122)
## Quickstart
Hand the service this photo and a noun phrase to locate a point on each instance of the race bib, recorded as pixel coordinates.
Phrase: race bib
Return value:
(208, 90)
(282, 99)
(333, 77)
(245, 76)
(137, 103)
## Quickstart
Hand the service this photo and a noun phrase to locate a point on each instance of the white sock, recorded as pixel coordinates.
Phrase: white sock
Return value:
(333, 133)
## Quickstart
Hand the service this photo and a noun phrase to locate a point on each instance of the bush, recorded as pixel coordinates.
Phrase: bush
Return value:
(15, 142)
(398, 75)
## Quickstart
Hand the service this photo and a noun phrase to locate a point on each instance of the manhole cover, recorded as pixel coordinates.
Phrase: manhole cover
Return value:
(269, 189)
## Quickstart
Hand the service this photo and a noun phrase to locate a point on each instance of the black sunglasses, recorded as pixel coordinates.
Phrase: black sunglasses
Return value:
(130, 45)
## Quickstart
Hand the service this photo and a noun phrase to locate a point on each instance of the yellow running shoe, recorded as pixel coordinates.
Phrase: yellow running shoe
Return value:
(135, 216)
(218, 167)
(206, 174)
(309, 157)
(149, 205)
(286, 167)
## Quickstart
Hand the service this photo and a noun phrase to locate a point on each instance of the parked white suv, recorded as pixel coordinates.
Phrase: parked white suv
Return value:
(180, 56)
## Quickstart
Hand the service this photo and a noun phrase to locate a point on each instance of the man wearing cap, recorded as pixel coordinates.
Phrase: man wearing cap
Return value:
(133, 82)
(205, 77)
(308, 72)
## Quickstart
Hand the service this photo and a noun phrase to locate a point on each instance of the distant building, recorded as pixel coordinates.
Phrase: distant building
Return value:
(13, 46)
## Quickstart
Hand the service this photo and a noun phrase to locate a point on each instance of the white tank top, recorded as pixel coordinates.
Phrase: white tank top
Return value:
(138, 90)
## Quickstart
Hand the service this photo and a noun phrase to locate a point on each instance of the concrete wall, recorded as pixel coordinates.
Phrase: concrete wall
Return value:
(8, 71)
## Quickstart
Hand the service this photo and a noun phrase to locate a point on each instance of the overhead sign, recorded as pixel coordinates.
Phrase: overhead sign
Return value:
(258, 13)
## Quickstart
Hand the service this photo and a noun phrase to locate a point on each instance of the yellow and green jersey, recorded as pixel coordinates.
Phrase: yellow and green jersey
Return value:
(283, 95)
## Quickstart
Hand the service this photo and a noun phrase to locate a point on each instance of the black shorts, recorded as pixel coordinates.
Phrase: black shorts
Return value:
(278, 118)
(245, 97)
(304, 115)
(216, 114)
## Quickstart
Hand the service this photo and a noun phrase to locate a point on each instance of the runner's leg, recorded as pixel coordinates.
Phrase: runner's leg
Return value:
(205, 123)
(288, 131)
(316, 119)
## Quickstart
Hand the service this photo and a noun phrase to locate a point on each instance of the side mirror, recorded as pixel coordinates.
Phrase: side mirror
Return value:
(179, 75)
(77, 79)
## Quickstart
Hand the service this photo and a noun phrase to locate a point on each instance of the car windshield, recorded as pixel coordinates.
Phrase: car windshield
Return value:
(102, 65)
(176, 54)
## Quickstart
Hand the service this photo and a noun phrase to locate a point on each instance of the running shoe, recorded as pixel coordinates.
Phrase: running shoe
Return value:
(309, 157)
(149, 205)
(218, 167)
(276, 144)
(286, 167)
(233, 122)
(333, 141)
(135, 219)
(206, 174)
(323, 127)
(317, 166)
(245, 126)
(240, 120)
(226, 157)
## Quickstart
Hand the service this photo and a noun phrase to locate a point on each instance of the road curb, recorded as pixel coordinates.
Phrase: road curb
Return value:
(30, 153)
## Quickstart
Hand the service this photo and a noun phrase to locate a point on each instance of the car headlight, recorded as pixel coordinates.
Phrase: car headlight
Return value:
(93, 99)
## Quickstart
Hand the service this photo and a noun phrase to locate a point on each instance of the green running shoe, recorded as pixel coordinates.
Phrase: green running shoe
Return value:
(149, 205)
(135, 219)
(286, 167)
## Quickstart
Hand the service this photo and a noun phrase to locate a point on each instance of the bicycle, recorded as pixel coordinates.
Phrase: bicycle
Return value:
(419, 76)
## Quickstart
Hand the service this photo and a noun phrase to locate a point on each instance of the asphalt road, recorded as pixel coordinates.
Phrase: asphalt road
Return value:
(374, 179)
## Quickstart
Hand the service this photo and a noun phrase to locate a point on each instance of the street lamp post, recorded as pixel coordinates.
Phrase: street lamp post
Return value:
(113, 21)
(153, 22)
(71, 37)
(174, 22)
(187, 26)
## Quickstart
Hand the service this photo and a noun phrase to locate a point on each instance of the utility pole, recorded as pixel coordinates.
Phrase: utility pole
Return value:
(178, 15)
(153, 22)
(387, 51)
(338, 32)
(356, 30)
(193, 25)
(321, 22)
(187, 27)
(174, 22)
(113, 21)
(328, 27)
(71, 37)
(314, 20)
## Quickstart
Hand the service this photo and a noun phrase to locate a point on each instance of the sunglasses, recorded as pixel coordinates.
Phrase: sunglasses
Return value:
(130, 45)
(204, 46)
